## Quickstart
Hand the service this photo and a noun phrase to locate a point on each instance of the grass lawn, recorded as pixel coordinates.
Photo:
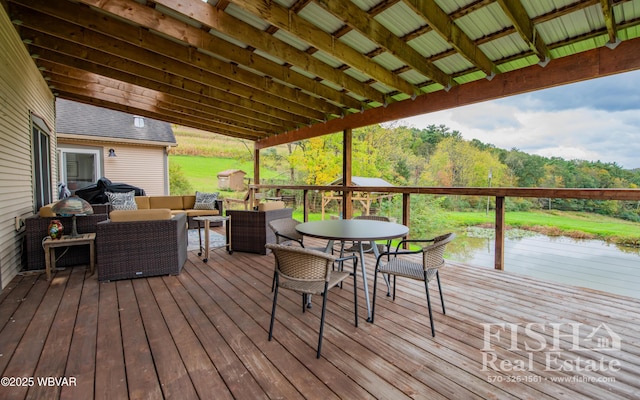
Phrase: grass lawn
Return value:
(202, 172)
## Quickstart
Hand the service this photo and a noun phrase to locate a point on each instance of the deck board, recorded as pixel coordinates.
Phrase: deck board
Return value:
(204, 333)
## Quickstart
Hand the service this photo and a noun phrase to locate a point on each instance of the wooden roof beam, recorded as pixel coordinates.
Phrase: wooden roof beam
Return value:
(291, 22)
(137, 109)
(447, 28)
(360, 20)
(55, 73)
(149, 49)
(526, 28)
(156, 21)
(59, 64)
(221, 21)
(94, 61)
(610, 22)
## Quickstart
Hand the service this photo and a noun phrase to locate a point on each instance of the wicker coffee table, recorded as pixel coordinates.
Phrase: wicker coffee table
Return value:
(207, 223)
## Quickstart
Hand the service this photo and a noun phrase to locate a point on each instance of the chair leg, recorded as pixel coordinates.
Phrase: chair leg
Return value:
(304, 302)
(273, 311)
(355, 289)
(440, 290)
(394, 288)
(426, 287)
(324, 308)
(375, 287)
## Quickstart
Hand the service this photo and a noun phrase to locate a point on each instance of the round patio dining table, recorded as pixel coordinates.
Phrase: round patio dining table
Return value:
(358, 231)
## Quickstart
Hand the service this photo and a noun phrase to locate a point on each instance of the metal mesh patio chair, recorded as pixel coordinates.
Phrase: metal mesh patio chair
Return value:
(309, 272)
(401, 265)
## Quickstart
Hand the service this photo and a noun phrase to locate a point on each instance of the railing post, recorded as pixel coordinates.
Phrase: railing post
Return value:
(305, 203)
(499, 263)
(406, 213)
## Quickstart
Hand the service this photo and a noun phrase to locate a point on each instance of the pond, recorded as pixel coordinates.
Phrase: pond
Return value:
(592, 264)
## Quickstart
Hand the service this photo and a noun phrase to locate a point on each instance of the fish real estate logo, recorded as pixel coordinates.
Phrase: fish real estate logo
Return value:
(563, 347)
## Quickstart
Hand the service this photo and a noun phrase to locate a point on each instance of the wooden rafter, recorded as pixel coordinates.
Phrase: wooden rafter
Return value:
(305, 30)
(139, 45)
(609, 20)
(180, 98)
(209, 96)
(359, 20)
(525, 27)
(259, 70)
(447, 28)
(257, 39)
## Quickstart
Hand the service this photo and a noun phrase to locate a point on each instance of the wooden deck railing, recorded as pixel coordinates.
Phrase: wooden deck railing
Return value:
(498, 193)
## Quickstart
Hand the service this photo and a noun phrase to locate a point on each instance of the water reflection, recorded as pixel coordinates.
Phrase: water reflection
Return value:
(587, 263)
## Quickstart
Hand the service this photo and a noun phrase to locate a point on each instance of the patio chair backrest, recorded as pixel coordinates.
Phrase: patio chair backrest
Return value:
(300, 264)
(286, 227)
(372, 218)
(433, 255)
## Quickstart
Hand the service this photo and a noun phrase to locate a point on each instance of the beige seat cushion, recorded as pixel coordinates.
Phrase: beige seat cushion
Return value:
(188, 201)
(139, 215)
(170, 202)
(271, 205)
(142, 202)
(200, 213)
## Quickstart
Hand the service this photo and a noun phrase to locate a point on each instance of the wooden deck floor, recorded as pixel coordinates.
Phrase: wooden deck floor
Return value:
(203, 334)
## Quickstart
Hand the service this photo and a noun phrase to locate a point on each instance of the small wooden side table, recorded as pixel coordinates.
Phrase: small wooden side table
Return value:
(207, 222)
(64, 241)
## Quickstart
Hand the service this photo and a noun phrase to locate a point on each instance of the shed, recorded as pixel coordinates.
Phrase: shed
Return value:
(232, 179)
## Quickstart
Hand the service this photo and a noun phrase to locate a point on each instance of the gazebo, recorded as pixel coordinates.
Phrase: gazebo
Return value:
(366, 199)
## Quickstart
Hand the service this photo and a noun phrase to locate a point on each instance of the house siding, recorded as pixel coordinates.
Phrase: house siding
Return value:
(22, 91)
(141, 166)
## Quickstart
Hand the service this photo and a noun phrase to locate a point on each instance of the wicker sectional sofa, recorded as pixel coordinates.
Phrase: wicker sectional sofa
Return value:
(178, 204)
(36, 227)
(140, 243)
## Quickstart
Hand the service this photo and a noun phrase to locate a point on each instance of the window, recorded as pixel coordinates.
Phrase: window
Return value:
(79, 167)
(41, 162)
(138, 122)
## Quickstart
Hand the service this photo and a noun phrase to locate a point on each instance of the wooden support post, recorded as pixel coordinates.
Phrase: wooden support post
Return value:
(347, 196)
(256, 166)
(406, 212)
(305, 207)
(500, 230)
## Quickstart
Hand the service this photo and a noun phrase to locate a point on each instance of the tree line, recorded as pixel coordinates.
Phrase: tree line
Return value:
(438, 156)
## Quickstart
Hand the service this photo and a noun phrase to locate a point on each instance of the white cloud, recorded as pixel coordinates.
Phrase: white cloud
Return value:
(556, 126)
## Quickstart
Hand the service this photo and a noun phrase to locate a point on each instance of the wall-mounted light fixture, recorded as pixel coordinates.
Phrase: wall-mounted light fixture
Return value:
(112, 153)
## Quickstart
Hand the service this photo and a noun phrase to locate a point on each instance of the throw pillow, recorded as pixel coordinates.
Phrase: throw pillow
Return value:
(122, 201)
(205, 201)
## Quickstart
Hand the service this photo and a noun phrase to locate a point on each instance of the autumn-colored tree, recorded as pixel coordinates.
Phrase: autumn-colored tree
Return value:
(457, 163)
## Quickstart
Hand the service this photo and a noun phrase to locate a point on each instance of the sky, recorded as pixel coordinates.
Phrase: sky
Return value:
(595, 120)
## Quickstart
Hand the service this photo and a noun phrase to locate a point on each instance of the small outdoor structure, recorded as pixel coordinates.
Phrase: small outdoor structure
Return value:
(366, 199)
(232, 179)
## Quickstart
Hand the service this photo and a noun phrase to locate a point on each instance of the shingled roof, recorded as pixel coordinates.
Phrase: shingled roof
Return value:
(82, 119)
